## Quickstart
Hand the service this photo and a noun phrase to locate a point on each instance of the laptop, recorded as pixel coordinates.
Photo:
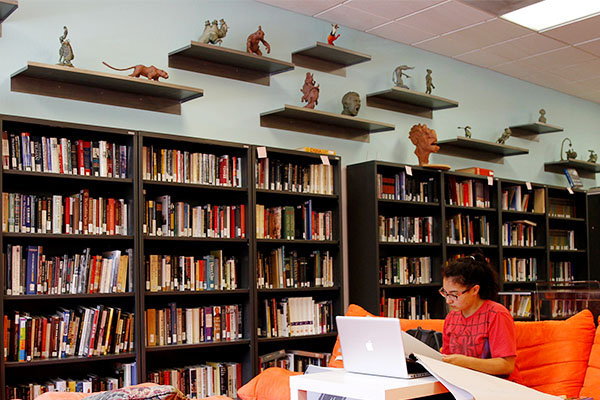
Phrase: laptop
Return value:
(377, 346)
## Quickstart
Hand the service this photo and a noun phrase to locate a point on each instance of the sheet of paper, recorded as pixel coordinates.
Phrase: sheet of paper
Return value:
(477, 385)
(414, 345)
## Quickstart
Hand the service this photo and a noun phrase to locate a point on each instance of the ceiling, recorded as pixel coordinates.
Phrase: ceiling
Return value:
(565, 58)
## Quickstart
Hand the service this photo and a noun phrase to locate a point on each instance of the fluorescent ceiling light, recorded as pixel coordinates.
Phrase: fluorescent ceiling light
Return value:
(550, 13)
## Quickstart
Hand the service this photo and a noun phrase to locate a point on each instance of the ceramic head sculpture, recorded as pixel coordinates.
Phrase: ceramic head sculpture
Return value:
(351, 104)
(425, 140)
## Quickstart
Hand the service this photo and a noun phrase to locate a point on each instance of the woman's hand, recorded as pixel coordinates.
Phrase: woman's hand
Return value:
(457, 359)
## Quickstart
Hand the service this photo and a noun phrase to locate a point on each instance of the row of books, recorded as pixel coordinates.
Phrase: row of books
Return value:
(513, 199)
(64, 156)
(565, 308)
(519, 233)
(29, 271)
(520, 269)
(175, 325)
(468, 229)
(126, 375)
(519, 304)
(289, 222)
(289, 177)
(413, 307)
(562, 239)
(85, 332)
(405, 229)
(163, 217)
(562, 208)
(406, 187)
(281, 269)
(295, 316)
(293, 360)
(190, 273)
(171, 165)
(561, 271)
(76, 214)
(202, 380)
(404, 270)
(468, 193)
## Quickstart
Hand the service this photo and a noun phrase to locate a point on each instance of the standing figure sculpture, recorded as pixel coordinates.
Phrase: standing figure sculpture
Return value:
(542, 118)
(332, 35)
(593, 156)
(505, 136)
(351, 104)
(254, 40)
(213, 33)
(467, 131)
(397, 75)
(429, 82)
(65, 53)
(310, 91)
(425, 140)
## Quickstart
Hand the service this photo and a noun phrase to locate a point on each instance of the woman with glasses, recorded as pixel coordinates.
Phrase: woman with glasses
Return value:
(479, 333)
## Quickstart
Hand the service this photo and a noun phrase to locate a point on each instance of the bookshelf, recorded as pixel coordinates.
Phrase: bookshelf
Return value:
(7, 7)
(585, 169)
(295, 262)
(409, 101)
(227, 63)
(328, 58)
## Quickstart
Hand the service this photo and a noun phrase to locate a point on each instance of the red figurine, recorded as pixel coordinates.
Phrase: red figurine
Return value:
(254, 40)
(332, 35)
(310, 91)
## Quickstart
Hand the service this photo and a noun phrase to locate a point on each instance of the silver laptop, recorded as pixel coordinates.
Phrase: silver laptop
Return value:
(375, 346)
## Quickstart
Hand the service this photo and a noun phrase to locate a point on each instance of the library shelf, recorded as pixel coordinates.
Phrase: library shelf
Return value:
(294, 338)
(197, 292)
(328, 58)
(298, 241)
(7, 7)
(193, 186)
(472, 246)
(533, 248)
(298, 290)
(227, 63)
(194, 239)
(523, 282)
(409, 244)
(222, 343)
(62, 236)
(411, 203)
(533, 129)
(298, 194)
(585, 168)
(68, 360)
(100, 87)
(478, 149)
(51, 175)
(469, 208)
(572, 219)
(411, 285)
(523, 213)
(306, 120)
(56, 297)
(556, 251)
(409, 102)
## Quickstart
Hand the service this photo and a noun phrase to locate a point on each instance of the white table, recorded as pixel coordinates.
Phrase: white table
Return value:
(364, 387)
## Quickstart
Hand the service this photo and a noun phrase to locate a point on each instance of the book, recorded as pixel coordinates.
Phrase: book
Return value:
(316, 150)
(573, 177)
(477, 171)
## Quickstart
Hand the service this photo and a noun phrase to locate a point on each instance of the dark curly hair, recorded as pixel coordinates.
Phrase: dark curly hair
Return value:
(474, 270)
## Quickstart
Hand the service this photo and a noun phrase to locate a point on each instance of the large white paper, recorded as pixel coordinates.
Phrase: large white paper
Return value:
(412, 345)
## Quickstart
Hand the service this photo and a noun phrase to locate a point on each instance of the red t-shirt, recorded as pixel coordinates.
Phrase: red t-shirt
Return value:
(489, 333)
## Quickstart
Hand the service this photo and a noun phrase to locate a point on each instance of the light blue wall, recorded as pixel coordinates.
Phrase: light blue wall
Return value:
(128, 32)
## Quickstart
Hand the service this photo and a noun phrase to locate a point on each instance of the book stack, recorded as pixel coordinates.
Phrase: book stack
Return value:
(289, 222)
(405, 187)
(281, 269)
(561, 271)
(295, 316)
(468, 193)
(519, 304)
(520, 269)
(404, 270)
(477, 171)
(285, 176)
(562, 208)
(573, 178)
(519, 233)
(561, 239)
(293, 360)
(468, 229)
(413, 307)
(406, 229)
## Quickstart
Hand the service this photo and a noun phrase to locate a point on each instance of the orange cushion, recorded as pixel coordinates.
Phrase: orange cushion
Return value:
(552, 356)
(591, 383)
(271, 384)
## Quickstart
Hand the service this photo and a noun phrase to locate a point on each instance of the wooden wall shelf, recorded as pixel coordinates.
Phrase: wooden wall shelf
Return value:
(227, 63)
(409, 102)
(478, 149)
(534, 129)
(301, 119)
(584, 168)
(327, 58)
(7, 7)
(98, 87)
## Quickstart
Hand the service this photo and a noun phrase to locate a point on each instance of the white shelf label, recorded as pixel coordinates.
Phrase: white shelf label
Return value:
(408, 169)
(570, 190)
(528, 184)
(325, 160)
(490, 180)
(261, 152)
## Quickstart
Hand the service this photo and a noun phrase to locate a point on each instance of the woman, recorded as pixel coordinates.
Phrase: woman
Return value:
(479, 333)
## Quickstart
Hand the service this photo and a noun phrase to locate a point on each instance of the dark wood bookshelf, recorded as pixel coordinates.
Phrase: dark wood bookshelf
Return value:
(197, 292)
(176, 347)
(317, 122)
(328, 58)
(66, 236)
(470, 208)
(409, 244)
(412, 285)
(571, 219)
(299, 241)
(69, 360)
(528, 131)
(193, 186)
(62, 297)
(478, 149)
(101, 87)
(299, 290)
(51, 175)
(409, 101)
(227, 63)
(299, 194)
(194, 239)
(297, 338)
(585, 169)
(7, 7)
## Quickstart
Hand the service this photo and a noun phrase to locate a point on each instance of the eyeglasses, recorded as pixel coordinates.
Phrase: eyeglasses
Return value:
(453, 296)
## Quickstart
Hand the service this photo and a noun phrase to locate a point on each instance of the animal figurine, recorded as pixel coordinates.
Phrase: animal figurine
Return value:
(351, 104)
(429, 83)
(310, 91)
(397, 75)
(65, 53)
(593, 156)
(571, 154)
(425, 140)
(542, 118)
(505, 135)
(213, 33)
(150, 72)
(254, 40)
(467, 131)
(332, 35)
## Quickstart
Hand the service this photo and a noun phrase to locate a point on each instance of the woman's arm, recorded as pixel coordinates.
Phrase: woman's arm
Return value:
(492, 366)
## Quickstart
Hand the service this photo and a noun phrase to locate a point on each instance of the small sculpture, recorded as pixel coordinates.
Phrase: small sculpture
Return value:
(467, 131)
(65, 52)
(213, 33)
(254, 40)
(150, 72)
(505, 136)
(397, 75)
(332, 35)
(429, 83)
(571, 154)
(310, 91)
(425, 140)
(542, 118)
(593, 156)
(351, 104)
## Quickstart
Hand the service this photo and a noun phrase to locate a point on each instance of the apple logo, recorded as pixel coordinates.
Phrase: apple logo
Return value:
(369, 346)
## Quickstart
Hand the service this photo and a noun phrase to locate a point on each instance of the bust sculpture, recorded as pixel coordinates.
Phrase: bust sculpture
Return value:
(542, 118)
(425, 140)
(351, 104)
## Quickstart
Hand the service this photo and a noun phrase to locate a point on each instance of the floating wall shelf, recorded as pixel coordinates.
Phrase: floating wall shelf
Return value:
(409, 102)
(585, 169)
(478, 149)
(327, 58)
(7, 7)
(98, 87)
(534, 129)
(227, 63)
(301, 119)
